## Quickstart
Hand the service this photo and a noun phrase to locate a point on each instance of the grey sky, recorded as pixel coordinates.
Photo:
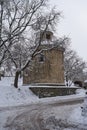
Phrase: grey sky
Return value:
(74, 23)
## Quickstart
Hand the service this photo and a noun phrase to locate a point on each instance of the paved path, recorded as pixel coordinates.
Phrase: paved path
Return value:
(41, 116)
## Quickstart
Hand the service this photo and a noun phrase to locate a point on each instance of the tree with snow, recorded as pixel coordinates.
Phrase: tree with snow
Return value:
(74, 65)
(24, 20)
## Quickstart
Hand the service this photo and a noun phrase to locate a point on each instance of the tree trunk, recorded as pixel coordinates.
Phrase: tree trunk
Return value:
(16, 79)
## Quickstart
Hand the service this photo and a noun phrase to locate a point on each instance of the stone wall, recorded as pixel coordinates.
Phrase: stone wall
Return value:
(51, 70)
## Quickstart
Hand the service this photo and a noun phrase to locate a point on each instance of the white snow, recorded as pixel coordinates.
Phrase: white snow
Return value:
(50, 86)
(10, 96)
(79, 115)
(81, 92)
(76, 116)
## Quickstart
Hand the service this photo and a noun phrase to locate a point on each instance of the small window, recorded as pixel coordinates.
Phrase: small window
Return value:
(48, 36)
(41, 58)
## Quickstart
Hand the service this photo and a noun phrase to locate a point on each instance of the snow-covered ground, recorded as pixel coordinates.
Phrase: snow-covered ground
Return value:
(19, 105)
(10, 96)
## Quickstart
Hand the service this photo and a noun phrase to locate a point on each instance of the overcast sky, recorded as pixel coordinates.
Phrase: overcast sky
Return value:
(74, 23)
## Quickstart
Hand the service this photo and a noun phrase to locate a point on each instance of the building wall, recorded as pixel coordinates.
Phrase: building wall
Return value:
(51, 70)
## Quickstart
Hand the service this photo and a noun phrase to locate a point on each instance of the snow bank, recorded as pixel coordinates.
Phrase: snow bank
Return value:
(76, 116)
(10, 96)
(81, 92)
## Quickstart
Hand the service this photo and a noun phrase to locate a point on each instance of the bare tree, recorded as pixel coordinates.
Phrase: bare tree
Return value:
(21, 19)
(74, 66)
(37, 40)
